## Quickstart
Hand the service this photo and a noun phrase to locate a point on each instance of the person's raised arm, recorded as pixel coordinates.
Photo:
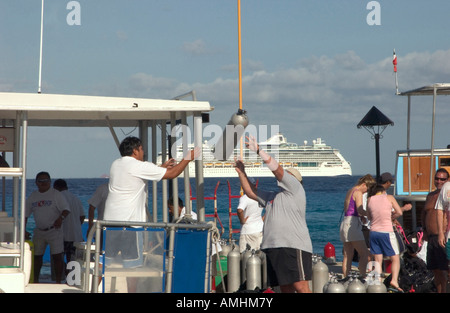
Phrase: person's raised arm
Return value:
(271, 163)
(247, 186)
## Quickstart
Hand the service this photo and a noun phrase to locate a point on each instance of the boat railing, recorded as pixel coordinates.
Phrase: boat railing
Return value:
(231, 213)
(169, 242)
(214, 215)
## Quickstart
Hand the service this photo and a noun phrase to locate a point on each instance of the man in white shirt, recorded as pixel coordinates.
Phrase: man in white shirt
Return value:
(250, 216)
(127, 197)
(72, 224)
(49, 209)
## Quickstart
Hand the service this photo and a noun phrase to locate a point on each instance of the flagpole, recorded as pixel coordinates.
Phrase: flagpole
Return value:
(394, 61)
(40, 49)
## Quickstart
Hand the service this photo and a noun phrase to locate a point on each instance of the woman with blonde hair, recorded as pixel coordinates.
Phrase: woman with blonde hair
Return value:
(351, 227)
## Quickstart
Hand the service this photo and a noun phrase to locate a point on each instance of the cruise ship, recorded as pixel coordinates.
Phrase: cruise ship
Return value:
(315, 159)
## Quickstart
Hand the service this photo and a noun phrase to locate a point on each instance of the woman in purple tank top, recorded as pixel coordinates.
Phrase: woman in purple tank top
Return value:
(351, 227)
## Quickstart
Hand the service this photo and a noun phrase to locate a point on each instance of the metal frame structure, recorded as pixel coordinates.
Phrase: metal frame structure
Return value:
(22, 110)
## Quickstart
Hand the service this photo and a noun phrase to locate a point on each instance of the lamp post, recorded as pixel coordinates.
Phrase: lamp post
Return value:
(375, 123)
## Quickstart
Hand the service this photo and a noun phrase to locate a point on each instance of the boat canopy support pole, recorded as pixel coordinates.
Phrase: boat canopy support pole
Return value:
(165, 212)
(174, 194)
(154, 183)
(432, 163)
(198, 141)
(408, 144)
(23, 188)
(187, 185)
(111, 129)
(16, 163)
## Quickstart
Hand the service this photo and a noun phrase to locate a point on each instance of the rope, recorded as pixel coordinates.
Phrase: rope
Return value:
(215, 239)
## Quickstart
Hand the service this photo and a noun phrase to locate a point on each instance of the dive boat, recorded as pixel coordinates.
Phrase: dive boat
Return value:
(415, 168)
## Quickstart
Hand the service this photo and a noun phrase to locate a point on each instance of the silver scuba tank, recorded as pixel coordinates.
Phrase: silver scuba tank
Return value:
(375, 285)
(225, 248)
(333, 286)
(262, 255)
(320, 275)
(253, 269)
(244, 257)
(356, 286)
(234, 269)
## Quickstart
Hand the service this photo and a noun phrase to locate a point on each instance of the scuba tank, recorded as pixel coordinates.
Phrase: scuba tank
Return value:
(356, 286)
(320, 275)
(244, 257)
(262, 255)
(225, 248)
(253, 269)
(233, 269)
(333, 286)
(374, 284)
(330, 254)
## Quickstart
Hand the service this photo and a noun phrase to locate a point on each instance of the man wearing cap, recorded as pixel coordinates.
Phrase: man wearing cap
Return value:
(286, 241)
(386, 180)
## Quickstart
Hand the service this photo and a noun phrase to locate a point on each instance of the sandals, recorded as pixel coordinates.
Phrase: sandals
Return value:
(393, 289)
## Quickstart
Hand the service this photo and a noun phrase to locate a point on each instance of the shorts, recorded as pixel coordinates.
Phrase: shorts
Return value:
(384, 243)
(123, 247)
(436, 256)
(351, 229)
(53, 237)
(253, 240)
(286, 266)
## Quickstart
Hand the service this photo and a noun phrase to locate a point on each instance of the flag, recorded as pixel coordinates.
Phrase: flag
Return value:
(394, 61)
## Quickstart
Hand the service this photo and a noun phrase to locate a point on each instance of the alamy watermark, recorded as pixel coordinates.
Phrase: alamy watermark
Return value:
(223, 141)
(73, 18)
(374, 16)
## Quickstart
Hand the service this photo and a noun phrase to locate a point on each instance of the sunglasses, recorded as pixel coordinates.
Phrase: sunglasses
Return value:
(43, 180)
(440, 178)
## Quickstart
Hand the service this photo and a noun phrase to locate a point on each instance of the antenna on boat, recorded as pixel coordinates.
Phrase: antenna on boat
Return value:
(238, 122)
(40, 49)
(394, 62)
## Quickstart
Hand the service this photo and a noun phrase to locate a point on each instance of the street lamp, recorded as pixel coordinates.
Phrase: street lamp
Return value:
(375, 123)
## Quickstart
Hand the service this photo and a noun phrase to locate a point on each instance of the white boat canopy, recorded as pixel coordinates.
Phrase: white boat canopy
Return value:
(440, 88)
(80, 111)
(20, 110)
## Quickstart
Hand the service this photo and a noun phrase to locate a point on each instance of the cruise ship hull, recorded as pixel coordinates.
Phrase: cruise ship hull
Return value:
(263, 171)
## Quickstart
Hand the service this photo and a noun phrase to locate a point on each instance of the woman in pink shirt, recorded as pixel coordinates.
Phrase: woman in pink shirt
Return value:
(382, 236)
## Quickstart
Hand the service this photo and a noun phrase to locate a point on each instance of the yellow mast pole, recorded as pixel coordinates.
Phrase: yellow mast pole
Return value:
(240, 68)
(240, 54)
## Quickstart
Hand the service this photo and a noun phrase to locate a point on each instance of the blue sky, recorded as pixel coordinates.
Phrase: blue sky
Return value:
(314, 68)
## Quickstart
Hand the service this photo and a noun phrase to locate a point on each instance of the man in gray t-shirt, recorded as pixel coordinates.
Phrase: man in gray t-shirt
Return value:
(286, 241)
(285, 223)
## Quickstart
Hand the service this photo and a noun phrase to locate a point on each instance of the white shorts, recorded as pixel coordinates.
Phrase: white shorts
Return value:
(351, 229)
(53, 237)
(253, 240)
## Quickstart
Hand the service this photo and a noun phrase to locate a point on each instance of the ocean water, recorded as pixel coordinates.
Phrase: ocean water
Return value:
(324, 197)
